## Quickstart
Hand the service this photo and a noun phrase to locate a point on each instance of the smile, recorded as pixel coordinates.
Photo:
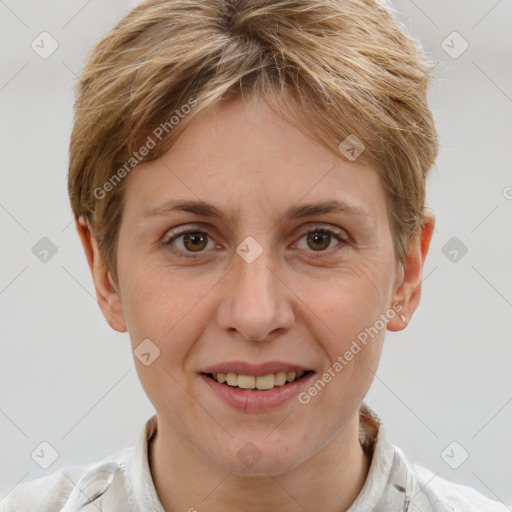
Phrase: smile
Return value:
(251, 393)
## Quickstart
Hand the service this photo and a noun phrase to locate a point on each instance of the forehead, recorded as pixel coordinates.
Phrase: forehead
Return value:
(245, 157)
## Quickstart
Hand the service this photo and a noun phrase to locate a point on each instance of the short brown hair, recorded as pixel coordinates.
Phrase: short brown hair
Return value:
(348, 64)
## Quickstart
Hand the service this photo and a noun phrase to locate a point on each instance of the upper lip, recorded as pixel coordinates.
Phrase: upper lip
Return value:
(256, 370)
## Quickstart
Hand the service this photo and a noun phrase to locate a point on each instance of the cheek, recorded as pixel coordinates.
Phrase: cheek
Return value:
(157, 309)
(344, 315)
(348, 299)
(168, 308)
(150, 303)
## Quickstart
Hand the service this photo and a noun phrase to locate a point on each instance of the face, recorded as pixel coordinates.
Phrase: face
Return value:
(257, 282)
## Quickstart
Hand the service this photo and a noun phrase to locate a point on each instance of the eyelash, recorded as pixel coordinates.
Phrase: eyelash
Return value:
(167, 242)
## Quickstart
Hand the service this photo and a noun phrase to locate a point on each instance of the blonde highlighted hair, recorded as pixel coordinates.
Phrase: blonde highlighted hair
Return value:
(333, 68)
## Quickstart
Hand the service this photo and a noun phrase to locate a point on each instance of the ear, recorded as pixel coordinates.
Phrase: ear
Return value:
(408, 283)
(109, 299)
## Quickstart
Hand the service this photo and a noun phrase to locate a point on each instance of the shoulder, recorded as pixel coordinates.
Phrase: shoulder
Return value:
(50, 493)
(461, 498)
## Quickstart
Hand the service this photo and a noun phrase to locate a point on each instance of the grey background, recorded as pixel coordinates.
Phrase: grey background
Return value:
(68, 379)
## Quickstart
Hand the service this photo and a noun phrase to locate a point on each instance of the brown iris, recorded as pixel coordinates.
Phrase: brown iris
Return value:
(195, 241)
(322, 239)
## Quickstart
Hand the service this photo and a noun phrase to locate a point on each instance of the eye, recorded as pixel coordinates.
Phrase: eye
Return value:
(188, 241)
(321, 239)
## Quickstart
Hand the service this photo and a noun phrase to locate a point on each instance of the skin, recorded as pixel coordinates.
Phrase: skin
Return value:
(286, 305)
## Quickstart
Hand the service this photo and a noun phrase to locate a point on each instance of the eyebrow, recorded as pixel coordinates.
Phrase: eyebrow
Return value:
(294, 212)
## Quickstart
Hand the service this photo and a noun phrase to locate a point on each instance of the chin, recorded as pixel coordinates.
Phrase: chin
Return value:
(269, 460)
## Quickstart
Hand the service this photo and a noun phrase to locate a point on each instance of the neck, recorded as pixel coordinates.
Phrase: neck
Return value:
(329, 481)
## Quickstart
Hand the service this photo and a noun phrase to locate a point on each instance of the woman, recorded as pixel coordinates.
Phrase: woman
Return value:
(248, 180)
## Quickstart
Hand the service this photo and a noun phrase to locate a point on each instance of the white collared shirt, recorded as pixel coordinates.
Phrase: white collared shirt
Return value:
(122, 482)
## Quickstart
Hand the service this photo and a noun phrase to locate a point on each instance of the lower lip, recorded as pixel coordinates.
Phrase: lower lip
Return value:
(257, 400)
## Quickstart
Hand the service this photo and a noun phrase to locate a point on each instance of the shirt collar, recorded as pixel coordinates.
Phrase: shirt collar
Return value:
(141, 488)
(375, 441)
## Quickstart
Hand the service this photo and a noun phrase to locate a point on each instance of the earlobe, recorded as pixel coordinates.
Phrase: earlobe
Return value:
(107, 295)
(408, 289)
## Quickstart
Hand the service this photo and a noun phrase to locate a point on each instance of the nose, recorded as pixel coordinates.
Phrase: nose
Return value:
(255, 303)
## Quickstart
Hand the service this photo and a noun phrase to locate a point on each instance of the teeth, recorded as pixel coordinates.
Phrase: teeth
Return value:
(232, 379)
(246, 382)
(280, 379)
(262, 382)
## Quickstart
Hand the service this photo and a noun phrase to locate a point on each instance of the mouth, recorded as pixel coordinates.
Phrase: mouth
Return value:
(258, 383)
